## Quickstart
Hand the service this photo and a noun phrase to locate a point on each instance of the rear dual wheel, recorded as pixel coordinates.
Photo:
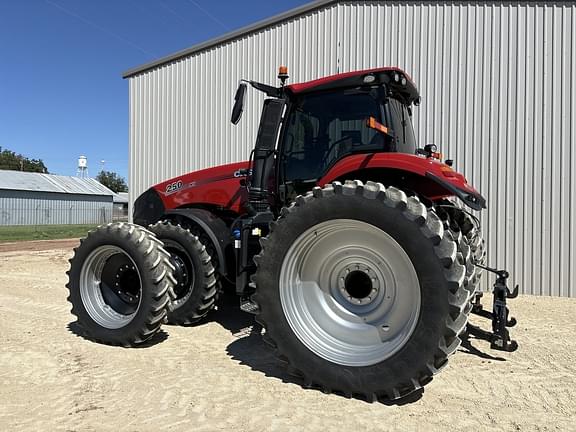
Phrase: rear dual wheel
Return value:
(360, 290)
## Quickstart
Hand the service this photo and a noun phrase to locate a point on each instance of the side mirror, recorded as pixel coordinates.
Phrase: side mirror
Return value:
(238, 103)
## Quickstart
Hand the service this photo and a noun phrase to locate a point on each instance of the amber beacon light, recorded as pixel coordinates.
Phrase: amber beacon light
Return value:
(283, 74)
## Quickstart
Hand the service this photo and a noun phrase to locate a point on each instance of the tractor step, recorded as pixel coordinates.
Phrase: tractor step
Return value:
(247, 305)
(499, 337)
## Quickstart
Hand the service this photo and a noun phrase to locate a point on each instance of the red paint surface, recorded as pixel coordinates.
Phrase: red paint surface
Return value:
(297, 88)
(215, 186)
(219, 187)
(400, 161)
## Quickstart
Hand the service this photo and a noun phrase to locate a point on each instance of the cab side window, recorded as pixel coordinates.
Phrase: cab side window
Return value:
(324, 128)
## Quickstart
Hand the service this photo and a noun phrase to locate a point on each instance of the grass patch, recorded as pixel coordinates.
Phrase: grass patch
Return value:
(42, 232)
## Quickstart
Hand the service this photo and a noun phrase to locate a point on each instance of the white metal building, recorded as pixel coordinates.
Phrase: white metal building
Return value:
(45, 199)
(498, 85)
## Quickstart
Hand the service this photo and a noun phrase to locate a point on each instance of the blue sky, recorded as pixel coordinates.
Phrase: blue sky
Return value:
(61, 61)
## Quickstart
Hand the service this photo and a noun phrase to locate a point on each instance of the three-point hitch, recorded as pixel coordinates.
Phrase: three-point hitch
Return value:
(499, 337)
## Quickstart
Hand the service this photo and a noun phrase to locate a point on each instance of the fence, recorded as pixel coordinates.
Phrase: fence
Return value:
(120, 213)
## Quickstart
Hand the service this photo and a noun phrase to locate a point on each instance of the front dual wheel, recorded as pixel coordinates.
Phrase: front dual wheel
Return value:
(121, 283)
(360, 290)
(125, 281)
(196, 289)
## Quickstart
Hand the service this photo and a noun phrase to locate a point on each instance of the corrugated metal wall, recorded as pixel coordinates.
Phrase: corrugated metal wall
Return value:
(498, 81)
(45, 208)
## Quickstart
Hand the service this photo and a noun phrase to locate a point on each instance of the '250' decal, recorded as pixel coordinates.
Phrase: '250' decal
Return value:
(174, 187)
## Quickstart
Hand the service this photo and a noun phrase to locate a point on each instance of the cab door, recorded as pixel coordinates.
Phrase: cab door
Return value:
(320, 130)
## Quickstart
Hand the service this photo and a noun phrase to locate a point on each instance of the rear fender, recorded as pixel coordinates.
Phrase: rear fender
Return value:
(426, 176)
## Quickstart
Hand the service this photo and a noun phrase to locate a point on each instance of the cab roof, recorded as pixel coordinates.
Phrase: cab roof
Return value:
(395, 78)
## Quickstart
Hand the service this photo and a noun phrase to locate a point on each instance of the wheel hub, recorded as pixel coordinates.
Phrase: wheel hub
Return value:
(127, 284)
(184, 271)
(181, 274)
(358, 284)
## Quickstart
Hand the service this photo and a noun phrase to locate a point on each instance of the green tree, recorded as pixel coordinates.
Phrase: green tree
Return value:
(9, 160)
(112, 181)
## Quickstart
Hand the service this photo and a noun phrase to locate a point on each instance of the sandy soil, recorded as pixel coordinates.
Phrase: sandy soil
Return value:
(219, 377)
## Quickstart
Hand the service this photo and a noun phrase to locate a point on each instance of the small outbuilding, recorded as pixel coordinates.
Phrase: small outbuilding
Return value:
(45, 199)
(120, 213)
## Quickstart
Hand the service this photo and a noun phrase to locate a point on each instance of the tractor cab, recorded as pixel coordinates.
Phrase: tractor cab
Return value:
(307, 128)
(324, 127)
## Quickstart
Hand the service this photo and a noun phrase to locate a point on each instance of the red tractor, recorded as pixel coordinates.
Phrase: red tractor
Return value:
(352, 246)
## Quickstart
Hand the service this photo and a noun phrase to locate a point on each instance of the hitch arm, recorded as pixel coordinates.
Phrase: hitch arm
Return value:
(500, 336)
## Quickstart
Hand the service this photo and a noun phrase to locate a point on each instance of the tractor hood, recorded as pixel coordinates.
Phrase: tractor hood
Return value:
(212, 187)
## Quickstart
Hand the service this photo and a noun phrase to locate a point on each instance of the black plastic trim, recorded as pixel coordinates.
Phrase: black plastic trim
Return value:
(474, 201)
(214, 227)
(148, 208)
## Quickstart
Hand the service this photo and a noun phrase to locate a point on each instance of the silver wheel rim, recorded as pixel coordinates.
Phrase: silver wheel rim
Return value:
(329, 303)
(91, 289)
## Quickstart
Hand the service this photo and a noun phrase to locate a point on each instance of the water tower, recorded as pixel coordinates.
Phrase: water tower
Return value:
(82, 171)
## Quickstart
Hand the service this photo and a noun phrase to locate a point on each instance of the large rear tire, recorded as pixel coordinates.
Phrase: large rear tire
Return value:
(360, 290)
(120, 283)
(468, 232)
(196, 287)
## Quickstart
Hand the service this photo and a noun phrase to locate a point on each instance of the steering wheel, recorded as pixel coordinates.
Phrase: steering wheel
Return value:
(332, 147)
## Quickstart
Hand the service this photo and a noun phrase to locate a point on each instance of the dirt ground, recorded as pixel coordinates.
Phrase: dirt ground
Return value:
(38, 245)
(219, 377)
